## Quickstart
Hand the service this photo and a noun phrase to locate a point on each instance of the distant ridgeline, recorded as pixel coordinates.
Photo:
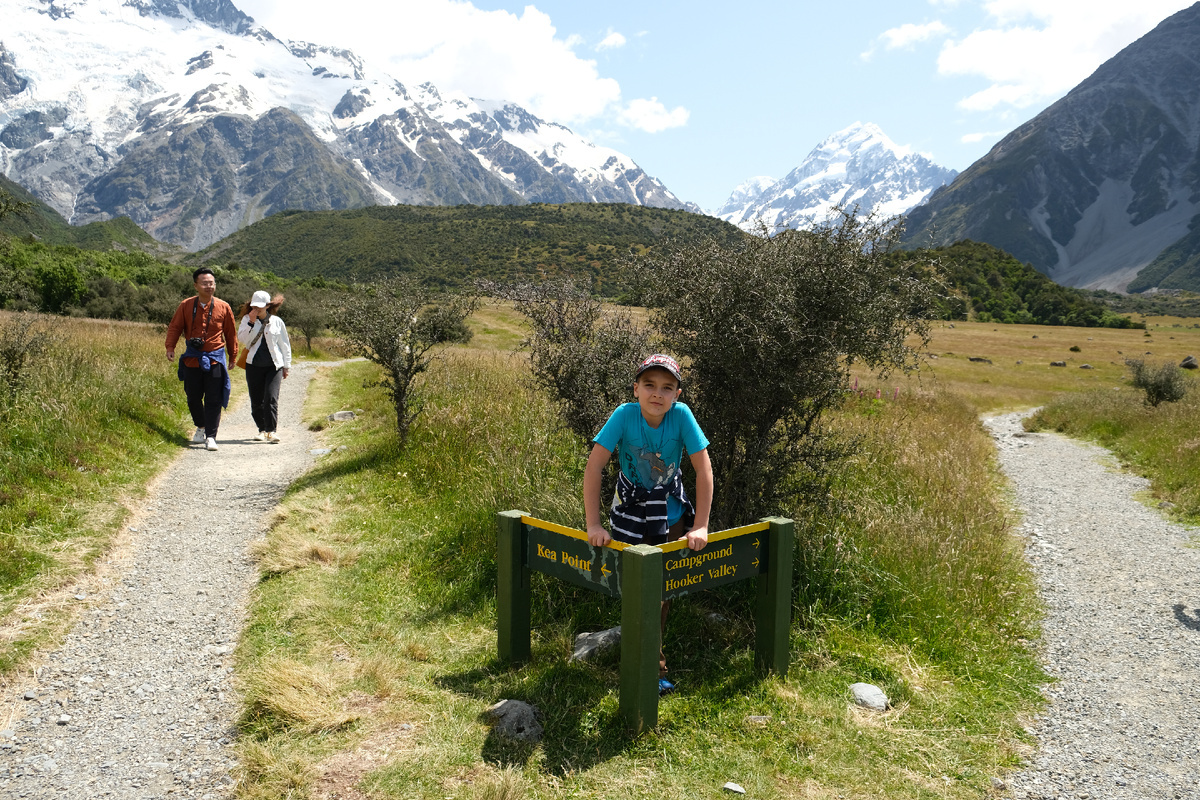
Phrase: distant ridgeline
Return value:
(454, 245)
(43, 222)
(62, 269)
(990, 285)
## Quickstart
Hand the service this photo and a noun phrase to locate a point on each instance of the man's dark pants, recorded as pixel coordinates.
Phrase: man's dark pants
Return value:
(205, 391)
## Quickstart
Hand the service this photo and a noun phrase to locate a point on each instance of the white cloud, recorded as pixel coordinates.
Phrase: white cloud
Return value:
(972, 138)
(1032, 50)
(496, 55)
(611, 42)
(652, 116)
(909, 34)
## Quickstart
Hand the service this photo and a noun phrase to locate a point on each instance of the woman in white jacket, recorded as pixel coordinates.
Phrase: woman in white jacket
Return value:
(268, 359)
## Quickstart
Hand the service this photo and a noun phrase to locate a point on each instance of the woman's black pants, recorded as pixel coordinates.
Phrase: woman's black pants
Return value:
(263, 383)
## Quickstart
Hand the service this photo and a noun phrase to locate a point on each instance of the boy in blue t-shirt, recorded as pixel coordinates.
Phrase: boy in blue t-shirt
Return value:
(650, 505)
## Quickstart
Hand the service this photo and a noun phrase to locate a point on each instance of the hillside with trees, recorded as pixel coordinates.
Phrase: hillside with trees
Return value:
(311, 253)
(39, 222)
(989, 285)
(455, 245)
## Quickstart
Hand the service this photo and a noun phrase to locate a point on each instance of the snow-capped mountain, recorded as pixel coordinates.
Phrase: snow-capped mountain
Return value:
(544, 162)
(743, 198)
(857, 166)
(194, 121)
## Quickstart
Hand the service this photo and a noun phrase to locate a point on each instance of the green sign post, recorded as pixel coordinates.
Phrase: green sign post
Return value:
(643, 576)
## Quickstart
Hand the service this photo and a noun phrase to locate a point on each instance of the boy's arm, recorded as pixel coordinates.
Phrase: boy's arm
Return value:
(597, 535)
(697, 537)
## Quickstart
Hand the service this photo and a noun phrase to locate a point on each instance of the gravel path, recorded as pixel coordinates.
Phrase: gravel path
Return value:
(138, 703)
(1122, 632)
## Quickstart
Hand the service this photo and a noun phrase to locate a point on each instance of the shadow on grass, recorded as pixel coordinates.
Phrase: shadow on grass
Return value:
(152, 422)
(577, 706)
(326, 470)
(710, 659)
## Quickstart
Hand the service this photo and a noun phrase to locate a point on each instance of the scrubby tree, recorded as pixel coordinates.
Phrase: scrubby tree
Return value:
(1162, 383)
(769, 331)
(308, 314)
(397, 323)
(14, 291)
(582, 355)
(11, 205)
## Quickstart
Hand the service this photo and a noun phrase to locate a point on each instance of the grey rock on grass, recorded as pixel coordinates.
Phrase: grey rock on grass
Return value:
(589, 645)
(516, 719)
(869, 696)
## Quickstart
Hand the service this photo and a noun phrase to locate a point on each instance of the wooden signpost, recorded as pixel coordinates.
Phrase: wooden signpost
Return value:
(642, 576)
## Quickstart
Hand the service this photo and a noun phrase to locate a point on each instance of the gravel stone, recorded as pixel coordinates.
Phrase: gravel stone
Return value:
(141, 688)
(1121, 635)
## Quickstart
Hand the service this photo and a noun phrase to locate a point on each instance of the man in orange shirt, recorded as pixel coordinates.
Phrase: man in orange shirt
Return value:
(208, 325)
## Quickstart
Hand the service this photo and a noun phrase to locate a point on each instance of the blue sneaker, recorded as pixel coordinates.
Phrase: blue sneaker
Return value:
(665, 687)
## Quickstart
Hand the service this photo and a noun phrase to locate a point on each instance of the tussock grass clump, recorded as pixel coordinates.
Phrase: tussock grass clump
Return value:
(293, 550)
(290, 694)
(263, 773)
(88, 412)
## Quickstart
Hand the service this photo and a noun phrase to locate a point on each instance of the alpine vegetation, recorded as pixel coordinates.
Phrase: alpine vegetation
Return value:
(397, 323)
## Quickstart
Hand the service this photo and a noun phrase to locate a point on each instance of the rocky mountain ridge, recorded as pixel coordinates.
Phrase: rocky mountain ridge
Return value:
(1102, 189)
(193, 121)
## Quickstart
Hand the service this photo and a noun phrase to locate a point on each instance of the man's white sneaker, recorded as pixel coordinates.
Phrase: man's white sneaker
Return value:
(272, 438)
(210, 444)
(261, 437)
(199, 436)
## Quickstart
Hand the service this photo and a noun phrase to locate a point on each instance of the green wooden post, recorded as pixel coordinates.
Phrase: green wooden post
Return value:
(773, 618)
(641, 635)
(512, 588)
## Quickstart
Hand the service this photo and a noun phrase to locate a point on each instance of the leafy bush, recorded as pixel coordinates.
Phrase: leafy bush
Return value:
(396, 324)
(581, 356)
(769, 331)
(308, 314)
(1164, 383)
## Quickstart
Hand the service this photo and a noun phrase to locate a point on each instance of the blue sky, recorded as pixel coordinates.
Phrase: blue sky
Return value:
(705, 94)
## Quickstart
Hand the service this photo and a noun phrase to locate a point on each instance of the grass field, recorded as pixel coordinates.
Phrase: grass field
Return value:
(370, 653)
(1020, 375)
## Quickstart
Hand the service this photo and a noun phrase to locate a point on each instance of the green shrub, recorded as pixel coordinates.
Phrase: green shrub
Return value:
(769, 330)
(396, 323)
(1164, 383)
(582, 357)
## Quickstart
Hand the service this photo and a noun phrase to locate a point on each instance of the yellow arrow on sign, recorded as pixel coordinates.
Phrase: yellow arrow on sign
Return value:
(756, 544)
(605, 570)
(755, 563)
